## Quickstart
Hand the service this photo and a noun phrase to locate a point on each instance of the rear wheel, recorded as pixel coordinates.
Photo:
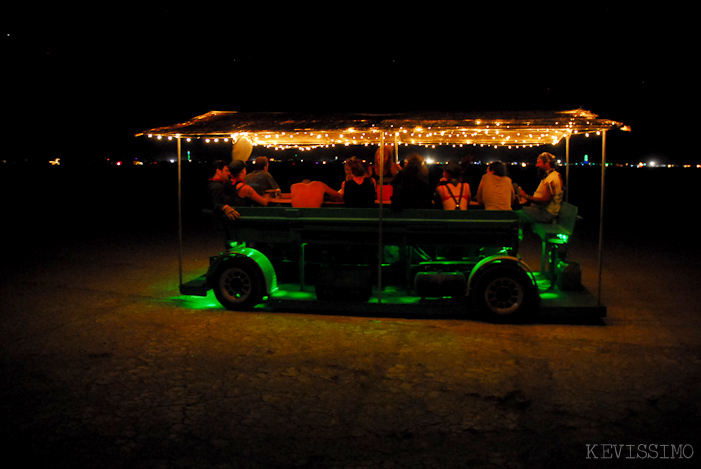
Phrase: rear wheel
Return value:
(505, 293)
(238, 284)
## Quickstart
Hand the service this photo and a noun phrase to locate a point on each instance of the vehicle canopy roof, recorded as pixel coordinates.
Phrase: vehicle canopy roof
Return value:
(281, 130)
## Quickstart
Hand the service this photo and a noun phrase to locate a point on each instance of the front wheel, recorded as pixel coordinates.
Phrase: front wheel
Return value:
(238, 284)
(505, 293)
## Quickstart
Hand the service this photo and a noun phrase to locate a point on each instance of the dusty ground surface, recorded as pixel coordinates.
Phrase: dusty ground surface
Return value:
(103, 364)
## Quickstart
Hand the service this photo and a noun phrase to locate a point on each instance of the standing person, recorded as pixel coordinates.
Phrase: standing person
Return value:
(244, 195)
(385, 165)
(360, 190)
(221, 191)
(411, 188)
(452, 192)
(496, 191)
(260, 178)
(545, 202)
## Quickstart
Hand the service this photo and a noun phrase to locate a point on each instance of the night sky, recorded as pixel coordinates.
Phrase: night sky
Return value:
(88, 77)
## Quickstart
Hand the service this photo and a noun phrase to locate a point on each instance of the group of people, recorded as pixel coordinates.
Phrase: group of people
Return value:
(405, 187)
(231, 187)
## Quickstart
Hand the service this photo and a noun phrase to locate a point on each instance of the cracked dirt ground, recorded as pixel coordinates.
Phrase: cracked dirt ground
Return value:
(104, 365)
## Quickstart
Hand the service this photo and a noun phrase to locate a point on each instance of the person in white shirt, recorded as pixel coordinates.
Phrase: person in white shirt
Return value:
(496, 191)
(545, 202)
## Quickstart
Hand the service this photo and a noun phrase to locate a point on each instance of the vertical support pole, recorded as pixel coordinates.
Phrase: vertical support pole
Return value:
(380, 247)
(180, 210)
(601, 213)
(567, 168)
(396, 147)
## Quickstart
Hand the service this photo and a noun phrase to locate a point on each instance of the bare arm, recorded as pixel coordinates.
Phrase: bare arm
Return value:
(248, 192)
(539, 200)
(335, 196)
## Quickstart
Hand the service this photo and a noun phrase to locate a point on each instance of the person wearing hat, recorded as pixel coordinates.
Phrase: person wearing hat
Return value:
(260, 179)
(243, 194)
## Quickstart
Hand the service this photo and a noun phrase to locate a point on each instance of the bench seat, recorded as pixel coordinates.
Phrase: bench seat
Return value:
(556, 233)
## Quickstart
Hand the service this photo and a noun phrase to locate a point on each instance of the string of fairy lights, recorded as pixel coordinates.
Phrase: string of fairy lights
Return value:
(486, 133)
(306, 141)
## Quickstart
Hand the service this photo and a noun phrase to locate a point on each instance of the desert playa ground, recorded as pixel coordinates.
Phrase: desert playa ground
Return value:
(104, 364)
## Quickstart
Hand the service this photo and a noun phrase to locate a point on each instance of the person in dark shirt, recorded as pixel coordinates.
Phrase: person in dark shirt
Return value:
(360, 190)
(221, 191)
(260, 179)
(411, 186)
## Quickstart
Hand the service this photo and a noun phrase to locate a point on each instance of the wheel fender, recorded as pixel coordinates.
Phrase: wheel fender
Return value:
(260, 259)
(483, 265)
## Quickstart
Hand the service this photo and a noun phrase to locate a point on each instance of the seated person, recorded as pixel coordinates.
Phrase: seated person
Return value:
(496, 191)
(243, 194)
(452, 193)
(221, 191)
(260, 179)
(360, 190)
(410, 186)
(545, 203)
(312, 194)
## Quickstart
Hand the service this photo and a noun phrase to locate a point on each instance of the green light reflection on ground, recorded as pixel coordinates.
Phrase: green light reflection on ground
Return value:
(197, 302)
(550, 295)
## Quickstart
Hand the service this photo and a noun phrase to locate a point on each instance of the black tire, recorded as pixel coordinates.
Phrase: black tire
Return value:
(238, 284)
(505, 293)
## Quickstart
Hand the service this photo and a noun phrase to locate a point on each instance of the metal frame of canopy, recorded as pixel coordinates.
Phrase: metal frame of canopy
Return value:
(282, 130)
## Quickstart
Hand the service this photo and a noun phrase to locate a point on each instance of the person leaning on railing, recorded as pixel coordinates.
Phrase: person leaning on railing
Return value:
(243, 194)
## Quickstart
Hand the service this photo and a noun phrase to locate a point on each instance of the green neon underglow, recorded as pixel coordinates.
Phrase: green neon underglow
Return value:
(403, 299)
(294, 295)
